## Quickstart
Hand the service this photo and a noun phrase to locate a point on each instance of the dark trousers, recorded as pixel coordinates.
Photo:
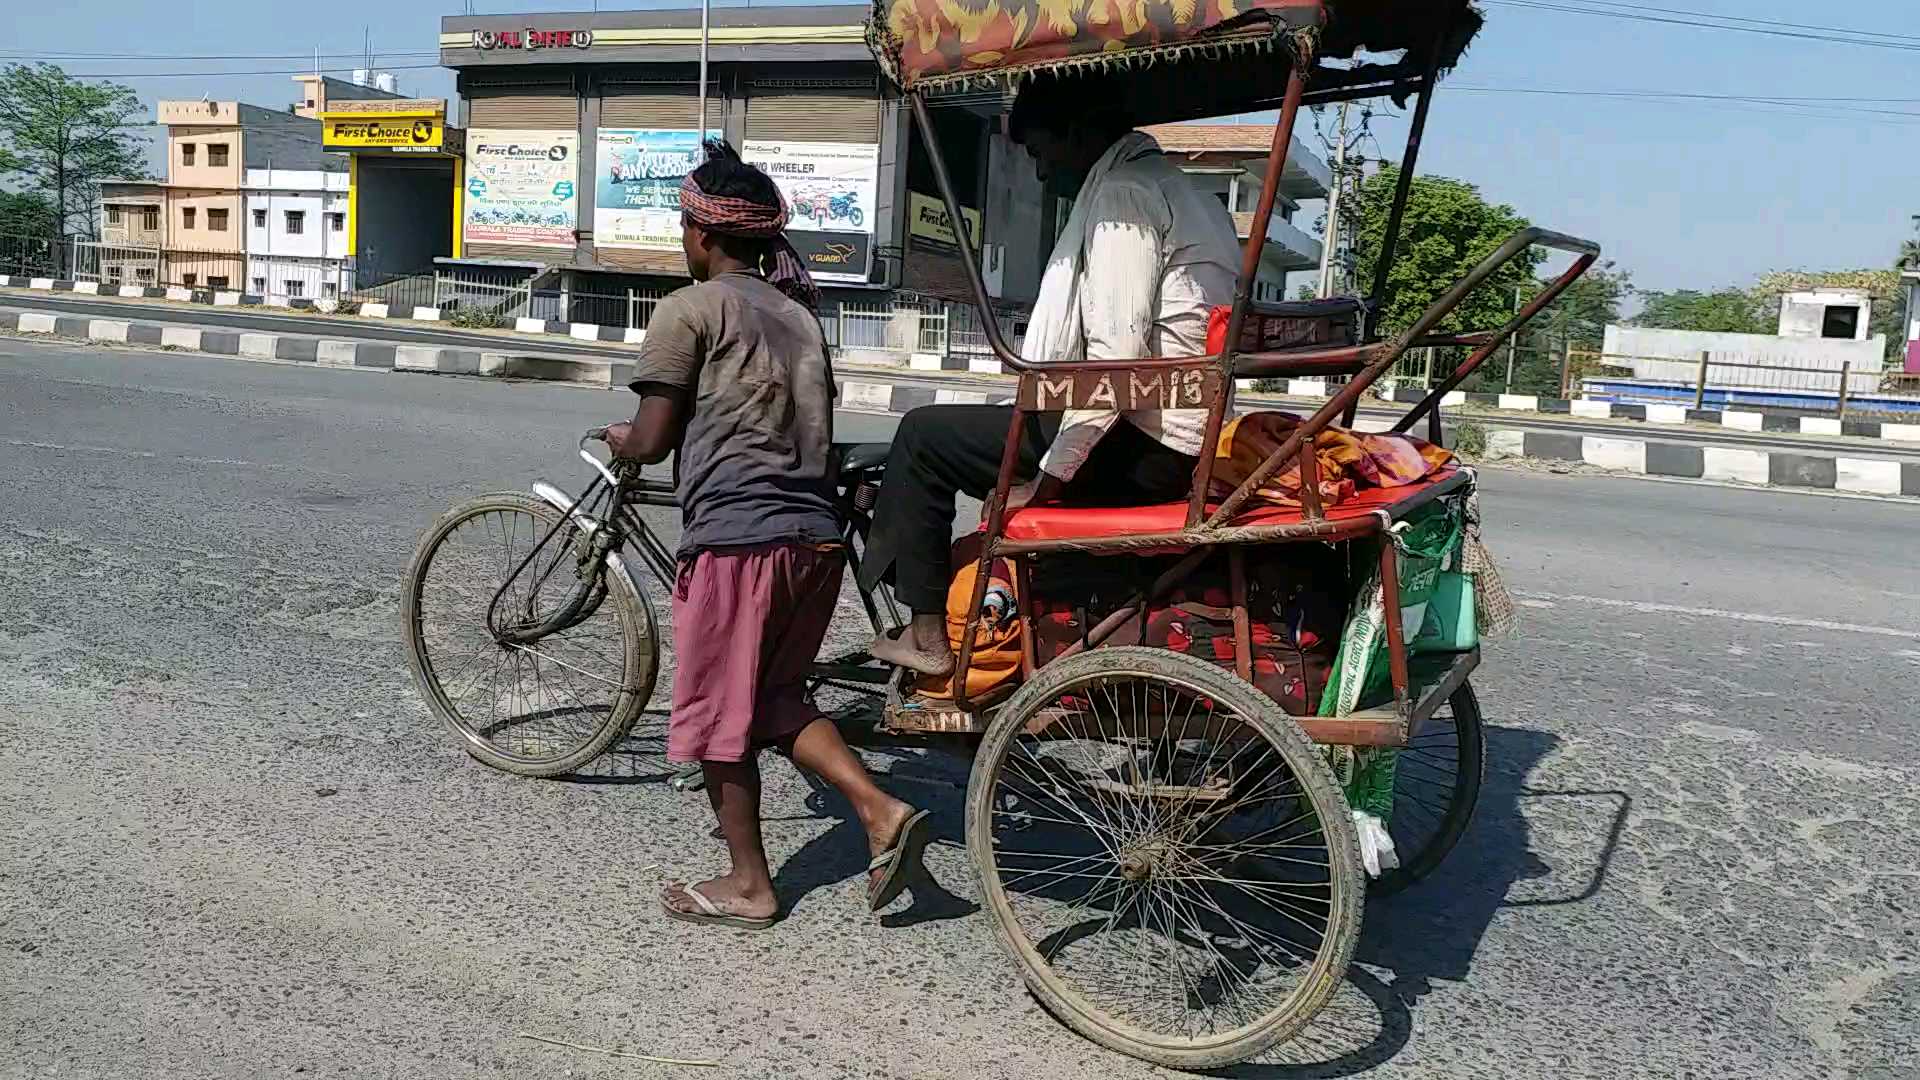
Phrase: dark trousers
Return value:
(943, 450)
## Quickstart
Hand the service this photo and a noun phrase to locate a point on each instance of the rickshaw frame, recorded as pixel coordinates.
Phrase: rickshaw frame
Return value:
(1207, 382)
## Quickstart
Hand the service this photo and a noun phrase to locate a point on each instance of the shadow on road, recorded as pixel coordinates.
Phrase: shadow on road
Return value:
(1434, 929)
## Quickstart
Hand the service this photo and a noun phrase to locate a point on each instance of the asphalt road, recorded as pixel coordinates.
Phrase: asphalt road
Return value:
(233, 843)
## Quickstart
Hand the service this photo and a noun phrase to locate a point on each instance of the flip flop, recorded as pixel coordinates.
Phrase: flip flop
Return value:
(710, 913)
(904, 856)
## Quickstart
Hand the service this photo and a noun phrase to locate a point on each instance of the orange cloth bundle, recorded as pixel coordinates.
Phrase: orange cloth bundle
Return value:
(996, 649)
(1348, 459)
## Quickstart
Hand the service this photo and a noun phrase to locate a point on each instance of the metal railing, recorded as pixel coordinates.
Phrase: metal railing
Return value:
(1723, 380)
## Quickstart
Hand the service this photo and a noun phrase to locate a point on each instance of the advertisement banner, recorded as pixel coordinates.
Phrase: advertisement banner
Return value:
(520, 187)
(636, 185)
(929, 225)
(831, 190)
(400, 133)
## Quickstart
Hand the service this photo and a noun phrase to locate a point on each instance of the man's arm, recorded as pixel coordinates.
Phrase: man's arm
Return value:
(664, 377)
(656, 428)
(1119, 297)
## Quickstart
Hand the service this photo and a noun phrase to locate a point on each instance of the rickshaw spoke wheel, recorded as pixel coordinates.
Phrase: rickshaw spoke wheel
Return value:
(1436, 784)
(1165, 855)
(540, 708)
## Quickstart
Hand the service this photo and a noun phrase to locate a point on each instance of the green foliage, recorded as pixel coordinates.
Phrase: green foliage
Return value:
(26, 213)
(1448, 228)
(476, 318)
(1581, 314)
(1728, 311)
(59, 137)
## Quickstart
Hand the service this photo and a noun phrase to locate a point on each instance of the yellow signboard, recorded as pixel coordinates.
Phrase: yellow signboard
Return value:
(390, 133)
(928, 221)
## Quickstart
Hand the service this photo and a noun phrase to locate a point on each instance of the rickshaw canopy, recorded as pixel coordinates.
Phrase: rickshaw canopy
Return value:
(1189, 55)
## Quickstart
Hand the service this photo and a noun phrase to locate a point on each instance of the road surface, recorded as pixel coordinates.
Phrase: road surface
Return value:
(234, 844)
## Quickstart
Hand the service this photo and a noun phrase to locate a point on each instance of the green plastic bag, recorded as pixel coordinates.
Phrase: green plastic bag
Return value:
(1429, 543)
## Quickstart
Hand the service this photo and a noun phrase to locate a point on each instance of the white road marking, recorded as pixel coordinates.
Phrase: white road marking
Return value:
(122, 451)
(1646, 608)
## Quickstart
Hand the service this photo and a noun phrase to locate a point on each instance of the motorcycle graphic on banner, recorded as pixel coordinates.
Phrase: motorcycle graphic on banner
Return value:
(831, 191)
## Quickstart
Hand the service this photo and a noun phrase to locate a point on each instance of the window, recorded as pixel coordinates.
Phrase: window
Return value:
(189, 279)
(143, 274)
(328, 288)
(296, 222)
(113, 274)
(1840, 322)
(336, 222)
(259, 284)
(217, 154)
(259, 219)
(295, 287)
(216, 281)
(186, 217)
(113, 215)
(186, 153)
(217, 219)
(150, 219)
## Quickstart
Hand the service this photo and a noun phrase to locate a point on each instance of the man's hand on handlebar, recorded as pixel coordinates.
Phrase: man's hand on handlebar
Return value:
(616, 436)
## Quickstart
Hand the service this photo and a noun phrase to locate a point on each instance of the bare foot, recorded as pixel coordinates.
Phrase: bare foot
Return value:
(898, 648)
(726, 894)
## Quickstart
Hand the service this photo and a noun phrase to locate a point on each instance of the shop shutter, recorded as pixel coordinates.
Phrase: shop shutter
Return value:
(843, 114)
(543, 104)
(652, 105)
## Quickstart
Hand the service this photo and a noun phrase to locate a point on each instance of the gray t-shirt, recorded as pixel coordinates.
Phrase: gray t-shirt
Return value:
(755, 464)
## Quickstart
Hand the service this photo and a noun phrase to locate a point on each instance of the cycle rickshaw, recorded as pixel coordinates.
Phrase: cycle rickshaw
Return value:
(1165, 852)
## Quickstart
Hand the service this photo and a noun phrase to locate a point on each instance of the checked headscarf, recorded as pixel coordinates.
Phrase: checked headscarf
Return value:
(731, 216)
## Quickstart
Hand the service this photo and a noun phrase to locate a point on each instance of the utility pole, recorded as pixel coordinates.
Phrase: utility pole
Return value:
(1331, 239)
(706, 12)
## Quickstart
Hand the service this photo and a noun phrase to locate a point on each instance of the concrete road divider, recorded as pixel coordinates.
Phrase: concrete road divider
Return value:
(1691, 461)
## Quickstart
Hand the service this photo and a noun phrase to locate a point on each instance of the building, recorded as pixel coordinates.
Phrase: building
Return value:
(201, 206)
(296, 238)
(316, 91)
(406, 178)
(1833, 314)
(580, 127)
(1231, 161)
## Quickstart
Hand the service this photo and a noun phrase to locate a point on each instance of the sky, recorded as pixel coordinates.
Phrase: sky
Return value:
(1681, 193)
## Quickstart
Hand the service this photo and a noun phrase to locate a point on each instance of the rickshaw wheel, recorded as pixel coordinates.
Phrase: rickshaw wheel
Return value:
(545, 709)
(1166, 857)
(1436, 785)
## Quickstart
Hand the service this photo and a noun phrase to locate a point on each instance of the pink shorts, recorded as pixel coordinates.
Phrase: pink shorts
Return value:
(747, 623)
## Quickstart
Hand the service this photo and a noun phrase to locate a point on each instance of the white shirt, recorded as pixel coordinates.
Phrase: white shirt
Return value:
(1160, 256)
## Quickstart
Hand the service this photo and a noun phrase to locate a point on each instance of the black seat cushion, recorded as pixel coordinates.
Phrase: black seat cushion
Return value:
(860, 457)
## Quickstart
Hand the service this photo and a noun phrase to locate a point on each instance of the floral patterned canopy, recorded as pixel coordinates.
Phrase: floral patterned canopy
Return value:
(938, 44)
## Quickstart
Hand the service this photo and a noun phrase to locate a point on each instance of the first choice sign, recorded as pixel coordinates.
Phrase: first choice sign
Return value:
(394, 133)
(531, 39)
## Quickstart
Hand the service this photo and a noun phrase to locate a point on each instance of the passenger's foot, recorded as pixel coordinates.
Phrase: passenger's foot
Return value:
(720, 902)
(897, 647)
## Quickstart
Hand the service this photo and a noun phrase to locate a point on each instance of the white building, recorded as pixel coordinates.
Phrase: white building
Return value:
(1833, 314)
(297, 234)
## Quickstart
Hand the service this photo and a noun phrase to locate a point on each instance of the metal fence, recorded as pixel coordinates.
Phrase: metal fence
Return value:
(1718, 380)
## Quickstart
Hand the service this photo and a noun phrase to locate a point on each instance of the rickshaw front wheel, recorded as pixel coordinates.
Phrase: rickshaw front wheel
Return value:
(1165, 855)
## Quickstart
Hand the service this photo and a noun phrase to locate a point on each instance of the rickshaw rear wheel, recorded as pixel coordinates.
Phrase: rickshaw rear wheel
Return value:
(542, 709)
(1437, 778)
(1166, 857)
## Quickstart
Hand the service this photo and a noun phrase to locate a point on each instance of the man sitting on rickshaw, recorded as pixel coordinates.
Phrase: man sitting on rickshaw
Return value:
(1144, 258)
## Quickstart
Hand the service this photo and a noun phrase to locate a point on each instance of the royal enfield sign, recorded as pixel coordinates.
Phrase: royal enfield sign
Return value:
(530, 38)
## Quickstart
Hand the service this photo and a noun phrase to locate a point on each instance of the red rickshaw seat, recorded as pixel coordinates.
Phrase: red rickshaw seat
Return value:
(1103, 522)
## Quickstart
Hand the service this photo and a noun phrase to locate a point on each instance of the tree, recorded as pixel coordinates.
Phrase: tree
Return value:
(1448, 228)
(1909, 258)
(1728, 311)
(59, 137)
(26, 213)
